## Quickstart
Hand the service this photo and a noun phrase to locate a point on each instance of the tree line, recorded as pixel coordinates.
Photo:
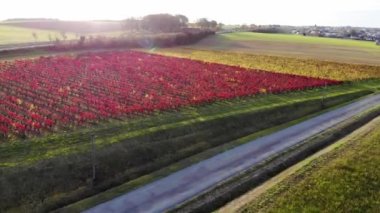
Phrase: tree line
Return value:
(166, 23)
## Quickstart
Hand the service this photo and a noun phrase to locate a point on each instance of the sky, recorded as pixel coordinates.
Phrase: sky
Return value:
(364, 13)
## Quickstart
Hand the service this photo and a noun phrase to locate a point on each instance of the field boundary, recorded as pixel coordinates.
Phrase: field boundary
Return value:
(159, 40)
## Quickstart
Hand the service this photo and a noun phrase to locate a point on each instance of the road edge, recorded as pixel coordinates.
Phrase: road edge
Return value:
(260, 191)
(234, 187)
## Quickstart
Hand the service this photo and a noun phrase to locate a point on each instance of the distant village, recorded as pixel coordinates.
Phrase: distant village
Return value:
(368, 34)
(356, 33)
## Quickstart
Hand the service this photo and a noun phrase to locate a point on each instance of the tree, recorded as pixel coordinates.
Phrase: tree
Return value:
(203, 23)
(81, 40)
(183, 20)
(220, 26)
(132, 24)
(353, 33)
(213, 24)
(244, 27)
(253, 26)
(206, 24)
(161, 23)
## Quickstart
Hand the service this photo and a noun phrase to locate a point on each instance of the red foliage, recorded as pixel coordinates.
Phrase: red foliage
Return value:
(39, 94)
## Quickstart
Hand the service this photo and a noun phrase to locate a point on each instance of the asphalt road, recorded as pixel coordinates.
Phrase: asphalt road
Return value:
(180, 186)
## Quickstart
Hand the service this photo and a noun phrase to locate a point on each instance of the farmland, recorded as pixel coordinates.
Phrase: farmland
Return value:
(22, 32)
(298, 39)
(37, 94)
(297, 66)
(327, 49)
(345, 178)
(145, 111)
(176, 135)
(14, 35)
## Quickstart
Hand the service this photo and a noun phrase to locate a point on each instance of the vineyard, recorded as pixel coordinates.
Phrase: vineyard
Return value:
(51, 92)
(148, 110)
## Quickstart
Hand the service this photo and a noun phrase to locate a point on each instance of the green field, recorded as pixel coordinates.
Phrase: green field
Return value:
(16, 35)
(330, 49)
(293, 39)
(21, 31)
(346, 179)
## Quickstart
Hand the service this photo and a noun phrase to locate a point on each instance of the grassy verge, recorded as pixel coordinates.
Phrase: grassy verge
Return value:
(258, 193)
(131, 185)
(230, 189)
(346, 178)
(59, 166)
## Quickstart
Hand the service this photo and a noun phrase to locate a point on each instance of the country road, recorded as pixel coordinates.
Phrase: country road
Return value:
(23, 46)
(180, 186)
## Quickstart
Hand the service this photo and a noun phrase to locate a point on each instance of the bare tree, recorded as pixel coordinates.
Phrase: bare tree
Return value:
(35, 36)
(63, 35)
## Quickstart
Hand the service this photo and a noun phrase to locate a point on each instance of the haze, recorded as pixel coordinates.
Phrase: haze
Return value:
(364, 13)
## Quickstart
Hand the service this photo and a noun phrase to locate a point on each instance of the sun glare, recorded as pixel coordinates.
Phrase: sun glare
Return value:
(295, 12)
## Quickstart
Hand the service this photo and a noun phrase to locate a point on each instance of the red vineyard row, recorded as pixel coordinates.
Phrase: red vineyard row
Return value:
(37, 95)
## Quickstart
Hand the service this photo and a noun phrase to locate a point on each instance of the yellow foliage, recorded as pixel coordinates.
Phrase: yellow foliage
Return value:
(297, 66)
(19, 101)
(263, 90)
(31, 107)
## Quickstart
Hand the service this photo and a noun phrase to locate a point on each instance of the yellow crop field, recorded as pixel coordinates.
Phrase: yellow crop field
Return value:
(297, 66)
